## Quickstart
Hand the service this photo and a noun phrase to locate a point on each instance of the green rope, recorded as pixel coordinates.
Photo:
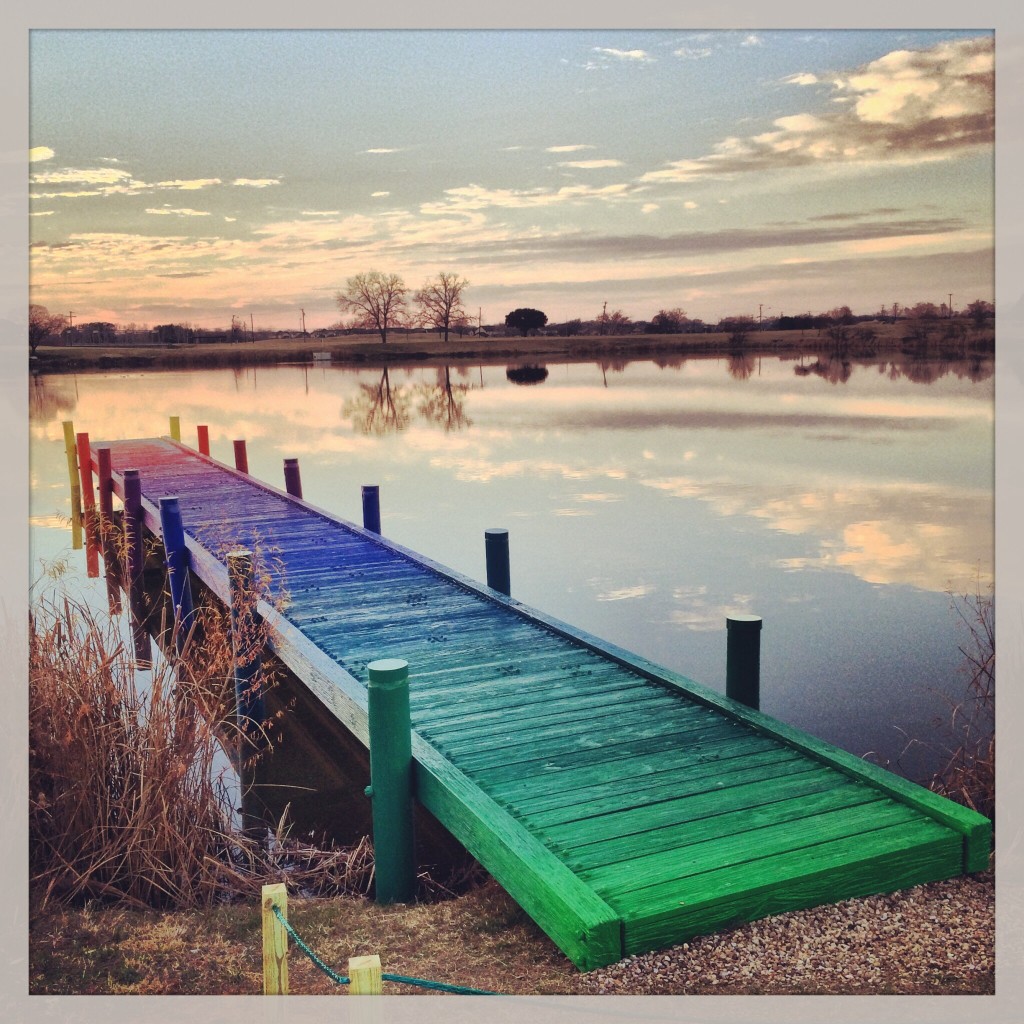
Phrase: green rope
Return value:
(440, 986)
(340, 979)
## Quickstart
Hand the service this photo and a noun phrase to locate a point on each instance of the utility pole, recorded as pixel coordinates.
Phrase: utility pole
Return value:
(252, 330)
(951, 305)
(303, 321)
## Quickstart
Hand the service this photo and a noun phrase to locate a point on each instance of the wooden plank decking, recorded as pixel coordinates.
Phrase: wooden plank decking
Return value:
(624, 807)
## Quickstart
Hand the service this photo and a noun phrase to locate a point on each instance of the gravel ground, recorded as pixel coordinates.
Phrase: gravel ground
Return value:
(934, 939)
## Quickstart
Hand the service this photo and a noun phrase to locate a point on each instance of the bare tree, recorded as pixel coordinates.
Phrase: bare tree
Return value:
(41, 323)
(377, 299)
(440, 301)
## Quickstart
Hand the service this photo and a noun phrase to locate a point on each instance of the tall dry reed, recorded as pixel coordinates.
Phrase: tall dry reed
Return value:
(130, 796)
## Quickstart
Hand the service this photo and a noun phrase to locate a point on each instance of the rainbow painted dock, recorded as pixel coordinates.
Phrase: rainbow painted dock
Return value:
(624, 807)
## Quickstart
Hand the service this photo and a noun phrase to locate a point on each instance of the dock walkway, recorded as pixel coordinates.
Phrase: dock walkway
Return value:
(623, 806)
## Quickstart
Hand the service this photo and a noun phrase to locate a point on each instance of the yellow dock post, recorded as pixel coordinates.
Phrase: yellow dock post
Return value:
(364, 974)
(275, 941)
(70, 448)
(176, 428)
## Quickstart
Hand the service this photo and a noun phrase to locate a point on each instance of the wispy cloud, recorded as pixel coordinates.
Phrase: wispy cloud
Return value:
(908, 106)
(641, 56)
(165, 211)
(590, 164)
(40, 153)
(256, 182)
(804, 78)
(382, 149)
(189, 185)
(692, 52)
(753, 39)
(476, 197)
(379, 195)
(565, 149)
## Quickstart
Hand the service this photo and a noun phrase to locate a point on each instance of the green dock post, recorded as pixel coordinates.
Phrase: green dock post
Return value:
(496, 551)
(743, 659)
(241, 457)
(292, 478)
(203, 438)
(133, 542)
(390, 786)
(70, 449)
(176, 428)
(371, 508)
(177, 568)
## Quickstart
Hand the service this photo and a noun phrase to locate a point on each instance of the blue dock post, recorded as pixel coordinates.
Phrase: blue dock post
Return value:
(292, 478)
(371, 508)
(177, 567)
(136, 561)
(743, 659)
(496, 551)
(390, 788)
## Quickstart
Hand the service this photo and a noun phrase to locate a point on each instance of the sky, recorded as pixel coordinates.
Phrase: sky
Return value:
(192, 176)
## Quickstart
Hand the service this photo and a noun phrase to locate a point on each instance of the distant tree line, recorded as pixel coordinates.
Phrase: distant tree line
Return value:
(382, 303)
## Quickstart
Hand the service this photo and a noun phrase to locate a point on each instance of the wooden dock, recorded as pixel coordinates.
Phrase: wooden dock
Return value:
(624, 807)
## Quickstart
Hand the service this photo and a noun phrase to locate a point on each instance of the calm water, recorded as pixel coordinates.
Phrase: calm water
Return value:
(644, 502)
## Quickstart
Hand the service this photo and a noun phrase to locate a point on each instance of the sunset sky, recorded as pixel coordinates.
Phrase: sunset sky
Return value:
(193, 175)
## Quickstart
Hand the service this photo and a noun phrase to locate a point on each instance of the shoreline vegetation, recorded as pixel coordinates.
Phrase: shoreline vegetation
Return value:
(428, 349)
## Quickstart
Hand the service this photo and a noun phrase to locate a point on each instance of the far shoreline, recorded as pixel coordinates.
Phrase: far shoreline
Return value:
(421, 349)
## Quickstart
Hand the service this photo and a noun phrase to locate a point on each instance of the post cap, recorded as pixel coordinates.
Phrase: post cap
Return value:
(388, 670)
(496, 531)
(744, 621)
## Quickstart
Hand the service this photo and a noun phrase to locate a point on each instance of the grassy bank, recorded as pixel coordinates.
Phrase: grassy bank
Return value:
(404, 348)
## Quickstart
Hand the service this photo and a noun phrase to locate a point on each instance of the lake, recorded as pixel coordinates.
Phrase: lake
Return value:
(645, 502)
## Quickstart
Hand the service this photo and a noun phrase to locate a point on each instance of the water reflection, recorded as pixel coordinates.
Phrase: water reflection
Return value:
(379, 408)
(526, 374)
(646, 501)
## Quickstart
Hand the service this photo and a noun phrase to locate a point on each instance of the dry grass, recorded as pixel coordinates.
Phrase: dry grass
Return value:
(130, 796)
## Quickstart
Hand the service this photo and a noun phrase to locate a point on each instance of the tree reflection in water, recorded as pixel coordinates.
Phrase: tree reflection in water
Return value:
(385, 408)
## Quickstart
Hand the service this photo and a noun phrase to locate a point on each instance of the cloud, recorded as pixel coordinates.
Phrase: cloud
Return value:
(566, 149)
(87, 176)
(692, 52)
(40, 153)
(805, 78)
(189, 185)
(379, 195)
(752, 40)
(185, 212)
(321, 213)
(641, 56)
(689, 205)
(908, 106)
(41, 213)
(649, 208)
(256, 182)
(590, 164)
(382, 150)
(476, 197)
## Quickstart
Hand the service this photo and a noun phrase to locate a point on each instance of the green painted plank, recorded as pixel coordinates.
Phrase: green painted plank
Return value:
(528, 757)
(626, 719)
(795, 779)
(642, 882)
(674, 838)
(560, 773)
(671, 768)
(631, 795)
(841, 870)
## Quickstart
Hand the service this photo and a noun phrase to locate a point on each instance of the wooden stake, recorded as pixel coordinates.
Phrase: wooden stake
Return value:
(275, 941)
(110, 554)
(364, 974)
(176, 428)
(203, 433)
(76, 487)
(92, 561)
